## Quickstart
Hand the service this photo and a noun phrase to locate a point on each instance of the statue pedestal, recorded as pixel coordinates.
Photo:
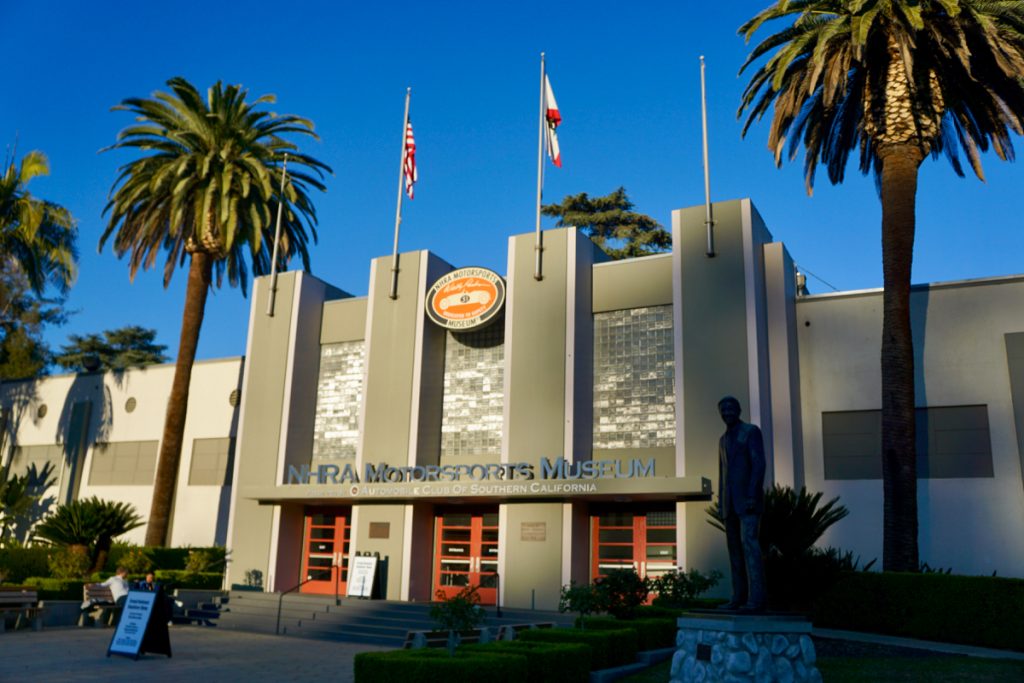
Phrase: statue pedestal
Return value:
(732, 647)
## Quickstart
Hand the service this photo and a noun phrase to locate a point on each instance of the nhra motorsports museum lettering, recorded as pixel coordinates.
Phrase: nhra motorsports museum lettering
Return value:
(556, 478)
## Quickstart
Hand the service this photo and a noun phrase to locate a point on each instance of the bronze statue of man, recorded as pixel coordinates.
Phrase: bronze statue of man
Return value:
(741, 469)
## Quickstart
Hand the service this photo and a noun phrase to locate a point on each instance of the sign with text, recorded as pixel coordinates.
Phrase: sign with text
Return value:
(466, 299)
(361, 574)
(142, 627)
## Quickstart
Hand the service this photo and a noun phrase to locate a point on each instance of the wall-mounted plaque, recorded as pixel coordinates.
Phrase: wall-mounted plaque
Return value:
(380, 529)
(533, 531)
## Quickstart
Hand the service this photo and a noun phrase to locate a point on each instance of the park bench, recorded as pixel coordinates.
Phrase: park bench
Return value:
(23, 603)
(98, 605)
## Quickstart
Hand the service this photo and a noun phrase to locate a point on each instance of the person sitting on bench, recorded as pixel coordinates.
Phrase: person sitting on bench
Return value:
(118, 585)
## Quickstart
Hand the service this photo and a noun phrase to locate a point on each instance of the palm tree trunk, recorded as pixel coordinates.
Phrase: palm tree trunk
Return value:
(899, 458)
(199, 277)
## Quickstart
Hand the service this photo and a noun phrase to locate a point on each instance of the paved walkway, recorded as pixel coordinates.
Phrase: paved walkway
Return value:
(200, 654)
(894, 641)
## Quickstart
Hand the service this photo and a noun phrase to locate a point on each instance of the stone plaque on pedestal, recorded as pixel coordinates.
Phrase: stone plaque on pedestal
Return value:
(713, 647)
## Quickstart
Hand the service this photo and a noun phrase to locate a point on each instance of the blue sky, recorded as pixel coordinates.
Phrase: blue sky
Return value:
(627, 80)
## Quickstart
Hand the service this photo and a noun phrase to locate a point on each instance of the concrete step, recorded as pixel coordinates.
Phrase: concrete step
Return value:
(381, 622)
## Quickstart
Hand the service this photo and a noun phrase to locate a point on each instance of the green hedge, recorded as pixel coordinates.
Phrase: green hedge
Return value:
(974, 610)
(163, 558)
(545, 662)
(56, 589)
(608, 648)
(176, 578)
(652, 634)
(17, 564)
(435, 666)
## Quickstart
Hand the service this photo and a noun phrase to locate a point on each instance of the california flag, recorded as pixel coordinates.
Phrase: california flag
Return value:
(553, 118)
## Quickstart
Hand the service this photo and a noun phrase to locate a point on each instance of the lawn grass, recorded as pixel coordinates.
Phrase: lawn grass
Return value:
(886, 669)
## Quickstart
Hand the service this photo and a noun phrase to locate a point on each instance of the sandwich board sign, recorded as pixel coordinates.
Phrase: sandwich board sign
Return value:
(142, 627)
(363, 573)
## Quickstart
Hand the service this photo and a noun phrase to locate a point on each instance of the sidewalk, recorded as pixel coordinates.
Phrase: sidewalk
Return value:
(79, 654)
(894, 641)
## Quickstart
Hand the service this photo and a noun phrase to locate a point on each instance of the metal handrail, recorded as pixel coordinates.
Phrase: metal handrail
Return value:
(280, 601)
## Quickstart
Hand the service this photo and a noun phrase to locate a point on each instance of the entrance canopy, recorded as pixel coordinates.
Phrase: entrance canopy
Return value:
(681, 489)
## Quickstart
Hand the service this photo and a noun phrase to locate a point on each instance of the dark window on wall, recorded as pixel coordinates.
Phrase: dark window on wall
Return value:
(211, 462)
(953, 442)
(124, 463)
(40, 456)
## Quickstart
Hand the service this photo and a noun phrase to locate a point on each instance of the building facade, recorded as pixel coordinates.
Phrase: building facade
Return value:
(577, 432)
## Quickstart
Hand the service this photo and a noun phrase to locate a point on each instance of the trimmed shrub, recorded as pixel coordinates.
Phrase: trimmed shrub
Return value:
(546, 662)
(652, 633)
(973, 610)
(435, 666)
(607, 648)
(165, 558)
(56, 589)
(17, 564)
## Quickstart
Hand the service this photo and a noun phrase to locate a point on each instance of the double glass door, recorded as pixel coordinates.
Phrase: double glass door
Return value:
(325, 550)
(641, 540)
(467, 553)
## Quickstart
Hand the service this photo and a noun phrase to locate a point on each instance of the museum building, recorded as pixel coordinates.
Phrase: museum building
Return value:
(517, 433)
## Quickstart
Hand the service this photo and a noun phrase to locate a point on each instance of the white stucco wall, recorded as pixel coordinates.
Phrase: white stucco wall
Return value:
(200, 512)
(973, 525)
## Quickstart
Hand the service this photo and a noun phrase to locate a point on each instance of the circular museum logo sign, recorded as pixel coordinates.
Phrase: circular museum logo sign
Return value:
(466, 298)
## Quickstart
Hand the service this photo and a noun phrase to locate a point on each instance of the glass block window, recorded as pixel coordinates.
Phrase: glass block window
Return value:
(339, 394)
(125, 463)
(474, 392)
(634, 385)
(211, 462)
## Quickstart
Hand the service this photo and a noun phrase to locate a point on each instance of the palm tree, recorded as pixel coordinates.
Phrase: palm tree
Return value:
(898, 80)
(36, 236)
(88, 527)
(206, 193)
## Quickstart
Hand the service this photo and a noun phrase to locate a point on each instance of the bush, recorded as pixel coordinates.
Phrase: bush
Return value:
(545, 662)
(578, 598)
(461, 612)
(680, 589)
(607, 648)
(69, 563)
(137, 560)
(17, 564)
(973, 610)
(435, 666)
(179, 578)
(620, 592)
(652, 633)
(56, 589)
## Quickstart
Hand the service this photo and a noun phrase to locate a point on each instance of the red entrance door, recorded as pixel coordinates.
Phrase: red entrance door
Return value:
(467, 554)
(641, 540)
(325, 550)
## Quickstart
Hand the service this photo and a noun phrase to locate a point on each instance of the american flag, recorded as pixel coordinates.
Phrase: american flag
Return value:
(409, 163)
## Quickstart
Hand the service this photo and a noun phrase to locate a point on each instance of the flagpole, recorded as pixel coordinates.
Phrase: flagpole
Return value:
(398, 211)
(709, 223)
(277, 240)
(538, 246)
